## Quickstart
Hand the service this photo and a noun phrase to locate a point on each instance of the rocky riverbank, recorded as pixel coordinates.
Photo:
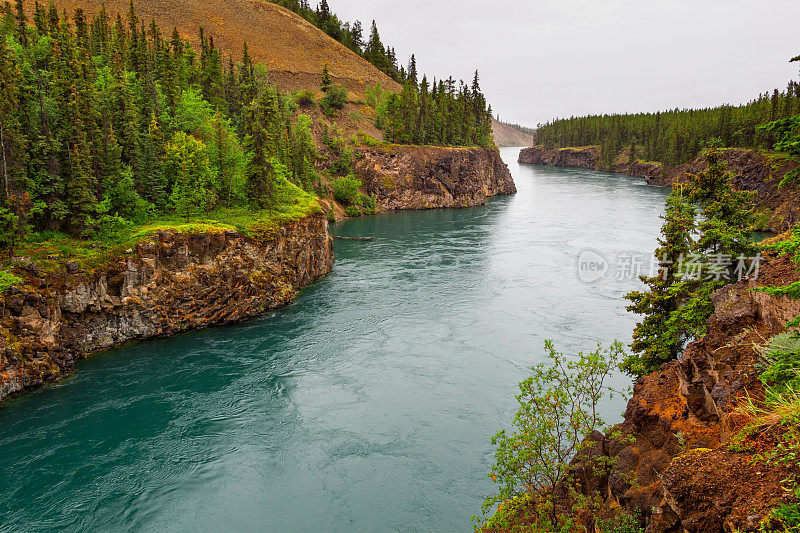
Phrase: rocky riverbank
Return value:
(425, 177)
(682, 419)
(168, 284)
(779, 208)
(672, 460)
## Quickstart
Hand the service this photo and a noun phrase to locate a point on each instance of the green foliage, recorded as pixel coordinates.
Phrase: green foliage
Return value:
(191, 176)
(326, 82)
(109, 227)
(364, 139)
(654, 341)
(438, 114)
(558, 409)
(8, 280)
(10, 230)
(334, 100)
(303, 153)
(778, 417)
(126, 202)
(678, 303)
(304, 98)
(346, 189)
(788, 247)
(341, 156)
(91, 113)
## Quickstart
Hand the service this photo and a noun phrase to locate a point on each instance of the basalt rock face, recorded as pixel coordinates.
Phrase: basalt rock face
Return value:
(588, 157)
(751, 170)
(680, 419)
(423, 177)
(172, 283)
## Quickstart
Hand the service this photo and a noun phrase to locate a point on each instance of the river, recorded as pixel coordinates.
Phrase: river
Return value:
(366, 405)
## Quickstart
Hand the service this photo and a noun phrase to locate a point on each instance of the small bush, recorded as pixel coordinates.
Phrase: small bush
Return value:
(353, 211)
(345, 189)
(334, 100)
(109, 227)
(365, 139)
(304, 98)
(558, 409)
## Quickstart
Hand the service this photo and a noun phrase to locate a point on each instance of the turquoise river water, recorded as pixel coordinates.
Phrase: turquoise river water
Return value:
(367, 405)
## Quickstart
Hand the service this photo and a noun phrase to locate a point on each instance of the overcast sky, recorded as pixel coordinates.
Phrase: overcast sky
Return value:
(541, 59)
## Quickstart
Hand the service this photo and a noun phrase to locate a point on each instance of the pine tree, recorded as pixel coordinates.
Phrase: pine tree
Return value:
(412, 69)
(326, 79)
(11, 141)
(323, 12)
(152, 184)
(654, 342)
(261, 143)
(22, 20)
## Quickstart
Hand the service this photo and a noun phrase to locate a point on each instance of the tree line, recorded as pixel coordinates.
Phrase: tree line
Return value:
(677, 136)
(438, 113)
(370, 47)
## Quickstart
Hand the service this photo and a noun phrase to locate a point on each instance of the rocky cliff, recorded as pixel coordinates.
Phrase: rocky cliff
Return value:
(168, 284)
(752, 171)
(682, 418)
(670, 462)
(424, 177)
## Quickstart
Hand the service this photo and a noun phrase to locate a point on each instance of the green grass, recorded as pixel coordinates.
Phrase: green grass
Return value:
(50, 250)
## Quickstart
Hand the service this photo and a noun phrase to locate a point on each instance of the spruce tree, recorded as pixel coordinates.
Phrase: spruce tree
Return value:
(654, 342)
(326, 82)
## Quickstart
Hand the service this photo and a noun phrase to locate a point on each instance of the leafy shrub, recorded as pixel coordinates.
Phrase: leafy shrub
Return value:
(334, 100)
(353, 211)
(558, 409)
(304, 98)
(778, 416)
(9, 230)
(346, 189)
(126, 202)
(365, 139)
(109, 227)
(782, 356)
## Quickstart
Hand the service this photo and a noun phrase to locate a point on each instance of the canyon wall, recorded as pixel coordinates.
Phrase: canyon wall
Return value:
(681, 419)
(165, 285)
(425, 177)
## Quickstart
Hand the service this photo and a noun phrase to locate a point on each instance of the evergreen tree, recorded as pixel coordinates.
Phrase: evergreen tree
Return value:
(654, 342)
(11, 141)
(260, 142)
(326, 79)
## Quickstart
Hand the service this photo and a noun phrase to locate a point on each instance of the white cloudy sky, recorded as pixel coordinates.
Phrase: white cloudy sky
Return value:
(541, 59)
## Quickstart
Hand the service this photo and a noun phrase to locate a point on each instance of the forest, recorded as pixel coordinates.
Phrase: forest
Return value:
(107, 122)
(677, 136)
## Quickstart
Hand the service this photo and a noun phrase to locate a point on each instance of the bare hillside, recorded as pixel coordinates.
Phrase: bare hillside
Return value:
(505, 135)
(292, 48)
